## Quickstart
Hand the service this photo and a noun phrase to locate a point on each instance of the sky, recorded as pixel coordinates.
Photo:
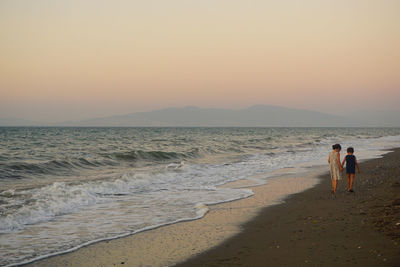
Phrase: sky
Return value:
(72, 59)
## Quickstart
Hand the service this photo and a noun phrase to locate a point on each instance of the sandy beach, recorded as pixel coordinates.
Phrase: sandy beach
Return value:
(314, 228)
(311, 228)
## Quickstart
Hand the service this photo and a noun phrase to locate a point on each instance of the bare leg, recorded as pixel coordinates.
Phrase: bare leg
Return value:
(348, 181)
(334, 185)
(351, 180)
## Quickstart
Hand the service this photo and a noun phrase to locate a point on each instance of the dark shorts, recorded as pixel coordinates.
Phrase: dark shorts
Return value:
(350, 170)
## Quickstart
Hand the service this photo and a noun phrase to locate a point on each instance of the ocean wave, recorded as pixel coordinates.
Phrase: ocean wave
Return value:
(20, 169)
(152, 156)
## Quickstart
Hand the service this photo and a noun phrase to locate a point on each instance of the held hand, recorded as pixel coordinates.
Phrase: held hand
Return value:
(341, 168)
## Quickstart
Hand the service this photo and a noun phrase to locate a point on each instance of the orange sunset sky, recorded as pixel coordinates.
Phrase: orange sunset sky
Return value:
(69, 60)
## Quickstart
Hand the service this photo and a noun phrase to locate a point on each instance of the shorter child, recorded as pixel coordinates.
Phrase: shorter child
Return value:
(351, 164)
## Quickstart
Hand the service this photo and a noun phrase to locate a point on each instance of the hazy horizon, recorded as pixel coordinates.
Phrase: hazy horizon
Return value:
(254, 116)
(74, 60)
(182, 109)
(81, 118)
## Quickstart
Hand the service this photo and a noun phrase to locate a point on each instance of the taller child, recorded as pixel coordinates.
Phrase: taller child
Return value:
(335, 166)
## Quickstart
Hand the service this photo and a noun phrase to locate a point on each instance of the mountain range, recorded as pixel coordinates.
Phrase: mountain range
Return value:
(255, 116)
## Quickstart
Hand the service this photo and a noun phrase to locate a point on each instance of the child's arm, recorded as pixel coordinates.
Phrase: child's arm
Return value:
(358, 168)
(329, 159)
(344, 160)
(338, 160)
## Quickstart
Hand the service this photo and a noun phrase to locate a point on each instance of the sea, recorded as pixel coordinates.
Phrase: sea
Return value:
(62, 188)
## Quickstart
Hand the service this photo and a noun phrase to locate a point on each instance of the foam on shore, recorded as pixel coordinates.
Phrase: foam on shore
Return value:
(174, 243)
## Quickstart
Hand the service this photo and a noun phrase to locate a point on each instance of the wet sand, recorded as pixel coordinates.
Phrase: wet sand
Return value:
(311, 228)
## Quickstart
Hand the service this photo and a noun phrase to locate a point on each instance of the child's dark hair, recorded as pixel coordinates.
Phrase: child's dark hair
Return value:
(350, 150)
(336, 146)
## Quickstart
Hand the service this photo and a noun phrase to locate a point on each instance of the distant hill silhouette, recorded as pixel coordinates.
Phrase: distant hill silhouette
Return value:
(255, 116)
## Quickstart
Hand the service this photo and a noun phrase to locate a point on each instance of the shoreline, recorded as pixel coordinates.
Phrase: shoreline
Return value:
(170, 244)
(197, 242)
